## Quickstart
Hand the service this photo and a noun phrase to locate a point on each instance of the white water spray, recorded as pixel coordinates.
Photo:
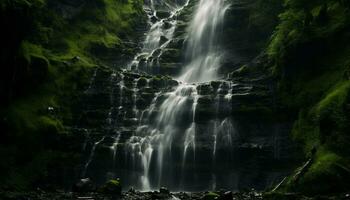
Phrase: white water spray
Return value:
(174, 125)
(159, 35)
(203, 52)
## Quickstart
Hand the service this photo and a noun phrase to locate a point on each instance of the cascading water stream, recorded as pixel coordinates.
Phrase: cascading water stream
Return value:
(166, 130)
(159, 134)
(178, 134)
(171, 121)
(203, 52)
(159, 35)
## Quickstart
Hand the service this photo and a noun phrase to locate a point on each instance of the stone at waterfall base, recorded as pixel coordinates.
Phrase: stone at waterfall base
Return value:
(84, 185)
(136, 195)
(112, 187)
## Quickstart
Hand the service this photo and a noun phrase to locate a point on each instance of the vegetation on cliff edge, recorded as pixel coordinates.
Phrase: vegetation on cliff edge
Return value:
(49, 49)
(311, 53)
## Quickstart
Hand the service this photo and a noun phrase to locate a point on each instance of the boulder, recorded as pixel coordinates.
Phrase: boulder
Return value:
(112, 187)
(226, 196)
(164, 190)
(163, 193)
(84, 185)
(210, 196)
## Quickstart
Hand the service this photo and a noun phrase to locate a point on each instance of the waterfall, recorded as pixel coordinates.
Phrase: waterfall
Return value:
(159, 35)
(174, 127)
(203, 52)
(165, 149)
(159, 134)
(153, 131)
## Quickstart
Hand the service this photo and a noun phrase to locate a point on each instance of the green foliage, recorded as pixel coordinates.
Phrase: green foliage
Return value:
(303, 21)
(48, 60)
(312, 58)
(326, 174)
(324, 125)
(112, 187)
(327, 121)
(210, 196)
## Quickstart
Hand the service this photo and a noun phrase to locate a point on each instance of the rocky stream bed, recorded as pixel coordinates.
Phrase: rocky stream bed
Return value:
(165, 195)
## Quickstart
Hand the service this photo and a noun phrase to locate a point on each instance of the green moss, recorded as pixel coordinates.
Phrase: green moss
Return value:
(325, 176)
(306, 21)
(115, 182)
(311, 59)
(53, 63)
(325, 126)
(325, 118)
(28, 49)
(113, 187)
(210, 196)
(334, 99)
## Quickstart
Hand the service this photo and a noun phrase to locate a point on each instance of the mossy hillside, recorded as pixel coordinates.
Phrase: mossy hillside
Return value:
(47, 61)
(100, 29)
(33, 124)
(93, 31)
(312, 59)
(325, 127)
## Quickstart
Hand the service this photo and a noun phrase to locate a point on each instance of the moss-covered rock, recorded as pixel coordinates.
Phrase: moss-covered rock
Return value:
(112, 187)
(309, 66)
(210, 196)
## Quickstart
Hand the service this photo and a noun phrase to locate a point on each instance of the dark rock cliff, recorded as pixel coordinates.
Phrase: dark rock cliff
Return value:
(66, 101)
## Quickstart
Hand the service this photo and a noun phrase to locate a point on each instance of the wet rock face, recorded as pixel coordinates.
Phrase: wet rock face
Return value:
(220, 124)
(248, 27)
(152, 131)
(110, 110)
(242, 39)
(162, 19)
